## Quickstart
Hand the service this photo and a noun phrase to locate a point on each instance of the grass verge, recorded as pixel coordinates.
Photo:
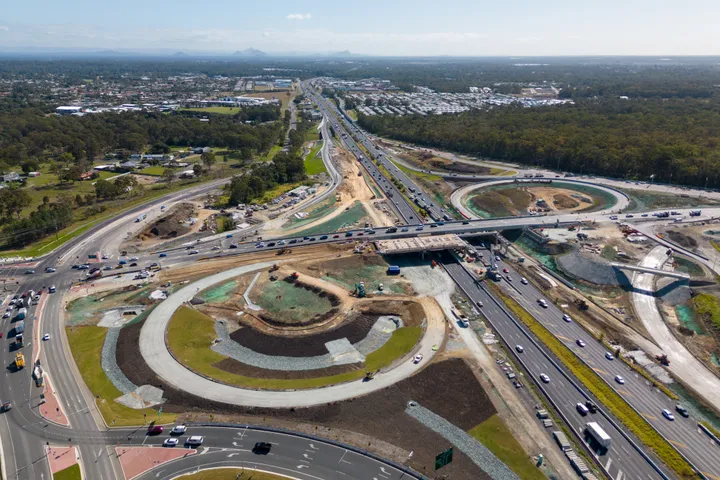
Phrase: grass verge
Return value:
(70, 473)
(231, 474)
(314, 164)
(190, 334)
(494, 434)
(603, 392)
(427, 176)
(86, 345)
(712, 429)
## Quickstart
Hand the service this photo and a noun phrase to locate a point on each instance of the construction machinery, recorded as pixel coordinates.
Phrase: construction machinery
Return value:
(360, 290)
(19, 360)
(294, 275)
(581, 304)
(663, 359)
(369, 375)
(274, 268)
(284, 251)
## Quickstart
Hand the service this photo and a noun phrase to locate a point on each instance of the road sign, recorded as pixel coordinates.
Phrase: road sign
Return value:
(443, 458)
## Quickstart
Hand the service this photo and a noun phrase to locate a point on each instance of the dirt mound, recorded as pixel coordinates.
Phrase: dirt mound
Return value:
(502, 203)
(682, 239)
(171, 225)
(562, 201)
(238, 368)
(355, 328)
(460, 167)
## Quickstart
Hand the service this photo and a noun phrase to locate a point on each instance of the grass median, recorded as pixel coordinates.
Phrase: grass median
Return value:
(494, 434)
(232, 474)
(86, 345)
(70, 473)
(191, 333)
(603, 392)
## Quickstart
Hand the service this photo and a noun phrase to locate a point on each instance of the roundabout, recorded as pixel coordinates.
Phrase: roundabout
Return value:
(380, 347)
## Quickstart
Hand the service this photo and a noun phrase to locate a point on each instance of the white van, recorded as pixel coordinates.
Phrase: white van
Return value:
(582, 409)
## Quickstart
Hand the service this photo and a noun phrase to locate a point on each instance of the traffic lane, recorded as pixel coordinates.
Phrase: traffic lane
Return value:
(637, 391)
(564, 396)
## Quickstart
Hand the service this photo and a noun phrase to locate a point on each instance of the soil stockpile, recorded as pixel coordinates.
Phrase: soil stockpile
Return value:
(171, 225)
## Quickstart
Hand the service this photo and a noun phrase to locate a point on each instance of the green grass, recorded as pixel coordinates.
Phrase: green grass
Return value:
(355, 214)
(277, 191)
(603, 392)
(707, 306)
(712, 429)
(319, 210)
(70, 473)
(155, 171)
(271, 154)
(494, 434)
(314, 164)
(86, 344)
(190, 334)
(352, 114)
(231, 474)
(220, 110)
(287, 302)
(715, 245)
(427, 176)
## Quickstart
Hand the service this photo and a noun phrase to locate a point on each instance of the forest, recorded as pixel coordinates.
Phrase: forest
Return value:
(677, 141)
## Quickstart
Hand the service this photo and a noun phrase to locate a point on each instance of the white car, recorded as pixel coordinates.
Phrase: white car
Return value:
(519, 348)
(193, 252)
(215, 248)
(134, 259)
(580, 343)
(281, 242)
(418, 358)
(620, 379)
(6, 315)
(46, 337)
(609, 356)
(178, 430)
(524, 281)
(542, 302)
(668, 414)
(544, 378)
(170, 442)
(567, 318)
(195, 440)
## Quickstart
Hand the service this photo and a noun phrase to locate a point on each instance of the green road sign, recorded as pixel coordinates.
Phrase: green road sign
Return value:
(443, 458)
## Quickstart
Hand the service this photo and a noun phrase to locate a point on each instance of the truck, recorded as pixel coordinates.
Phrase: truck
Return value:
(20, 328)
(141, 218)
(695, 213)
(22, 313)
(19, 360)
(94, 273)
(595, 431)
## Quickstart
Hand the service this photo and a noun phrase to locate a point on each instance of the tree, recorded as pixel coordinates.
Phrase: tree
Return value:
(31, 165)
(197, 170)
(13, 201)
(160, 147)
(208, 159)
(79, 200)
(168, 175)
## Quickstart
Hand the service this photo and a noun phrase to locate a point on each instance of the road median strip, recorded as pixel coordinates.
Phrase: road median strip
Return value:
(616, 404)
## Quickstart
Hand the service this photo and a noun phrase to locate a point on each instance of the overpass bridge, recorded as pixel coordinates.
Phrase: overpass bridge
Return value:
(652, 271)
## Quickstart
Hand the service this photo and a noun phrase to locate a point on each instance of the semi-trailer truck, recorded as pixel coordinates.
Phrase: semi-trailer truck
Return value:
(594, 430)
(22, 313)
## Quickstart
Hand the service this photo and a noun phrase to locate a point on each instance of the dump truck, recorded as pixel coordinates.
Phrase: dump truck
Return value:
(594, 430)
(19, 360)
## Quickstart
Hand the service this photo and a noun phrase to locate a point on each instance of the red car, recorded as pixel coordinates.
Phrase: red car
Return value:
(155, 430)
(506, 270)
(1, 334)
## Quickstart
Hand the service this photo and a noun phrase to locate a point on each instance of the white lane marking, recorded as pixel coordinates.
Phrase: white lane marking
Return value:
(607, 465)
(300, 467)
(307, 456)
(620, 475)
(314, 447)
(232, 455)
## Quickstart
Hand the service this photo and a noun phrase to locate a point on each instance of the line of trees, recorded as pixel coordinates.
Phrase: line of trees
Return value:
(675, 140)
(49, 218)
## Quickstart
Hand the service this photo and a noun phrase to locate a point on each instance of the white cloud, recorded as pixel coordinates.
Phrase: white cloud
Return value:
(266, 34)
(4, 28)
(299, 16)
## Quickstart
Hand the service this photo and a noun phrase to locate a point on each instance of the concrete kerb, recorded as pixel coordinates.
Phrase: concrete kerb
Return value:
(283, 475)
(581, 391)
(402, 468)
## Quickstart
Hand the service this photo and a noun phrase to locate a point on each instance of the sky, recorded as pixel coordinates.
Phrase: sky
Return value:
(371, 27)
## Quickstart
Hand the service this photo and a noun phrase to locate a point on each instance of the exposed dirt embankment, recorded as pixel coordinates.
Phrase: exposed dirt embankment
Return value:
(172, 225)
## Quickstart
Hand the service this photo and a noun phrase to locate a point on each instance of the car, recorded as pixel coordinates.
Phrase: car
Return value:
(50, 270)
(262, 448)
(170, 442)
(497, 258)
(544, 378)
(404, 229)
(105, 256)
(542, 302)
(162, 255)
(324, 237)
(466, 223)
(107, 267)
(233, 245)
(260, 245)
(619, 379)
(29, 272)
(644, 215)
(609, 356)
(120, 265)
(668, 414)
(418, 358)
(215, 248)
(519, 348)
(75, 267)
(195, 440)
(613, 217)
(348, 234)
(580, 343)
(567, 318)
(46, 337)
(479, 303)
(629, 215)
(84, 266)
(418, 229)
(312, 239)
(6, 315)
(582, 409)
(155, 429)
(682, 411)
(271, 244)
(178, 430)
(336, 236)
(134, 259)
(281, 242)
(524, 281)
(505, 270)
(464, 323)
(6, 406)
(591, 406)
(291, 242)
(134, 264)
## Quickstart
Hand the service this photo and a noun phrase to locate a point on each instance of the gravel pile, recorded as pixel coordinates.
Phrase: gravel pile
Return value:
(376, 338)
(109, 363)
(594, 271)
(476, 451)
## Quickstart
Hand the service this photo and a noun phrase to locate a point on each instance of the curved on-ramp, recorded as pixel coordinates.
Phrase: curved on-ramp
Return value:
(154, 350)
(621, 200)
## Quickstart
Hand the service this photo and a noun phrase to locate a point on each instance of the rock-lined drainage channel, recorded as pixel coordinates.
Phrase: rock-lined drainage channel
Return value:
(339, 352)
(476, 451)
(108, 360)
(246, 295)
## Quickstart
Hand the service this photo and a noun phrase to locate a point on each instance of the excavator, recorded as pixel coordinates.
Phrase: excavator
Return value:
(360, 290)
(663, 359)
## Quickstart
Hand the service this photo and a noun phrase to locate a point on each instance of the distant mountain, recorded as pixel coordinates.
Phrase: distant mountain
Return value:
(249, 52)
(344, 53)
(179, 54)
